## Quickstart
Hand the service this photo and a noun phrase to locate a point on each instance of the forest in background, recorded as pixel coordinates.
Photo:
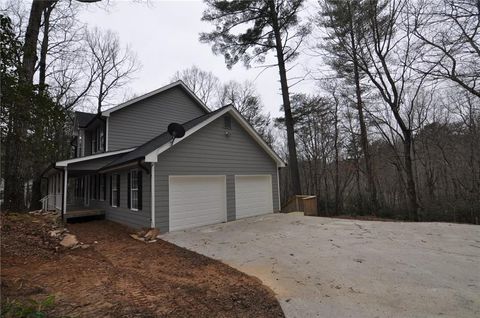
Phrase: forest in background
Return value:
(393, 130)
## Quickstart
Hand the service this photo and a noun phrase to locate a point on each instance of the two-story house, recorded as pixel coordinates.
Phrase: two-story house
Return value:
(128, 167)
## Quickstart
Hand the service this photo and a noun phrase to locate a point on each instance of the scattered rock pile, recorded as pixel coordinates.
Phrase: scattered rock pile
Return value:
(36, 234)
(67, 240)
(146, 235)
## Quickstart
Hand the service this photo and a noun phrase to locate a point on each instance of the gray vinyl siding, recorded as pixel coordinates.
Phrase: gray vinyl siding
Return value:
(122, 214)
(230, 198)
(140, 122)
(210, 152)
(97, 204)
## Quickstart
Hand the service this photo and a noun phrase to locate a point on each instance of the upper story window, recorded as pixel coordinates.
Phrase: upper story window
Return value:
(94, 142)
(98, 140)
(101, 136)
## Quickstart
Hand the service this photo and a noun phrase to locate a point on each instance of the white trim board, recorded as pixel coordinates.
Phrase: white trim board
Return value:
(153, 156)
(65, 163)
(159, 90)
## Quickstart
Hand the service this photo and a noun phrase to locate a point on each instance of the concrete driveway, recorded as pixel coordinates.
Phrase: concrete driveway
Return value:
(322, 267)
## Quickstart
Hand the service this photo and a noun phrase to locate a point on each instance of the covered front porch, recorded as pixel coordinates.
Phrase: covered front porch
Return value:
(84, 195)
(76, 189)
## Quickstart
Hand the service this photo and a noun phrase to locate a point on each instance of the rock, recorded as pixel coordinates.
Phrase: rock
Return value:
(142, 233)
(152, 234)
(69, 240)
(55, 233)
(85, 246)
(136, 237)
(95, 242)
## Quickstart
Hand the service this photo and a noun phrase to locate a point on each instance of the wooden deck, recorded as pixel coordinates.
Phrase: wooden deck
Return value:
(83, 213)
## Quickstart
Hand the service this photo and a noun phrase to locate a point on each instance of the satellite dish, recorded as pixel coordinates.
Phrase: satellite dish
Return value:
(176, 131)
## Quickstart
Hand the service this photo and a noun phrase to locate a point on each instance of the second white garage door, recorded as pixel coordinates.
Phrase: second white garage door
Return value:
(196, 201)
(253, 195)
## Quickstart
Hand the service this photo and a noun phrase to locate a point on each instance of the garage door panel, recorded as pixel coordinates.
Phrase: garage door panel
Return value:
(196, 201)
(253, 195)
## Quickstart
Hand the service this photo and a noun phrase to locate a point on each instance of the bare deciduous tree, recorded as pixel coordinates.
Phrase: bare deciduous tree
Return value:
(204, 84)
(450, 31)
(111, 65)
(246, 100)
(386, 59)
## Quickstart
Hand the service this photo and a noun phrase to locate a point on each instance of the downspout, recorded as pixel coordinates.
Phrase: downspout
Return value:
(152, 195)
(106, 134)
(278, 190)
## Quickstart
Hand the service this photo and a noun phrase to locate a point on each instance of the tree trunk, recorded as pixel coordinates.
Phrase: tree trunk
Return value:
(337, 178)
(42, 65)
(36, 194)
(31, 38)
(292, 150)
(371, 188)
(13, 174)
(16, 157)
(411, 189)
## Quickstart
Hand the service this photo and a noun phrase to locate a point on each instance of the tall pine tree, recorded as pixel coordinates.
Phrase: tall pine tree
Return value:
(247, 31)
(346, 25)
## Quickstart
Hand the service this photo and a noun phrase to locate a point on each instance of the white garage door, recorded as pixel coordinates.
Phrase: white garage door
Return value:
(253, 195)
(196, 201)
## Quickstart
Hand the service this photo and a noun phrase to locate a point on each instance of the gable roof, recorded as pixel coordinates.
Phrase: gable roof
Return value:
(155, 92)
(83, 119)
(151, 149)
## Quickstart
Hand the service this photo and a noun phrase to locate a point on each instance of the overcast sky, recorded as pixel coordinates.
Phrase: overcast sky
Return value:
(164, 35)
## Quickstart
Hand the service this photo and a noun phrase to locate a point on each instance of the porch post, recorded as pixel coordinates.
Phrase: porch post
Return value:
(65, 183)
(152, 195)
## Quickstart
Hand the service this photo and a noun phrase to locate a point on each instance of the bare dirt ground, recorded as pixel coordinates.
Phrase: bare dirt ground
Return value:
(122, 277)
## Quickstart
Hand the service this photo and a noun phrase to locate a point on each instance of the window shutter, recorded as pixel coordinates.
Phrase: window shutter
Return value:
(118, 189)
(140, 190)
(129, 191)
(98, 186)
(91, 187)
(104, 187)
(111, 190)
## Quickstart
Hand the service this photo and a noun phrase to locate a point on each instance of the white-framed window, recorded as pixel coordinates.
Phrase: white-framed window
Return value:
(134, 190)
(114, 190)
(101, 137)
(94, 142)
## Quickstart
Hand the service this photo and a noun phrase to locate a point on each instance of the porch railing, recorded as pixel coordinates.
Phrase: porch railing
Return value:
(51, 202)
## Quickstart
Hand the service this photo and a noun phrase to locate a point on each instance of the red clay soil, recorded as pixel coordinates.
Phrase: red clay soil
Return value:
(122, 277)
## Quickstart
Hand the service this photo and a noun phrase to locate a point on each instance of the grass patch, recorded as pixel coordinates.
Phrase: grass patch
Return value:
(29, 308)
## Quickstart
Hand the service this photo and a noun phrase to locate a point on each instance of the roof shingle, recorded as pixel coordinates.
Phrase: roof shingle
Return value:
(83, 118)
